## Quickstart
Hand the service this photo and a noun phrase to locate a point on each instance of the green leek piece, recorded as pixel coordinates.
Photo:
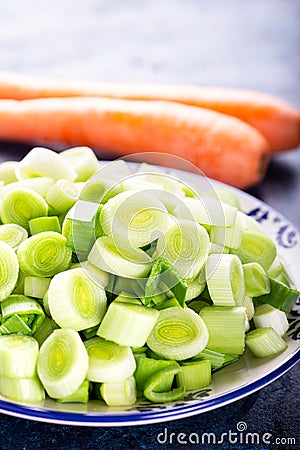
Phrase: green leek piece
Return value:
(75, 301)
(194, 289)
(163, 272)
(18, 356)
(36, 286)
(265, 342)
(90, 333)
(167, 303)
(22, 205)
(9, 270)
(127, 324)
(19, 287)
(146, 367)
(25, 390)
(62, 196)
(7, 171)
(217, 359)
(62, 363)
(279, 273)
(40, 224)
(26, 309)
(280, 296)
(256, 280)
(156, 380)
(267, 316)
(122, 393)
(45, 329)
(44, 254)
(105, 255)
(125, 297)
(81, 395)
(256, 247)
(195, 375)
(13, 234)
(42, 162)
(185, 246)
(108, 362)
(226, 328)
(225, 279)
(83, 160)
(178, 334)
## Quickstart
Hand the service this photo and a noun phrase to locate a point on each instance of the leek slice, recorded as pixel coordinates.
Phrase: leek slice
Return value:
(40, 185)
(25, 390)
(40, 224)
(45, 329)
(179, 333)
(157, 378)
(18, 356)
(13, 234)
(228, 196)
(226, 328)
(9, 270)
(62, 196)
(62, 363)
(280, 296)
(81, 395)
(249, 306)
(256, 280)
(7, 171)
(256, 247)
(36, 286)
(225, 279)
(185, 246)
(42, 162)
(265, 342)
(195, 375)
(217, 359)
(108, 362)
(122, 393)
(19, 287)
(98, 276)
(279, 273)
(83, 160)
(105, 255)
(22, 205)
(75, 301)
(127, 324)
(267, 316)
(26, 309)
(146, 367)
(44, 254)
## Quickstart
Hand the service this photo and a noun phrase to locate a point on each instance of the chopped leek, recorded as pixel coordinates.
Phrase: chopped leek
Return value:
(265, 342)
(13, 234)
(195, 375)
(122, 393)
(256, 280)
(108, 362)
(44, 254)
(36, 286)
(18, 356)
(62, 196)
(157, 378)
(280, 296)
(40, 224)
(178, 334)
(25, 390)
(267, 316)
(9, 270)
(28, 313)
(146, 367)
(81, 395)
(7, 171)
(83, 160)
(62, 363)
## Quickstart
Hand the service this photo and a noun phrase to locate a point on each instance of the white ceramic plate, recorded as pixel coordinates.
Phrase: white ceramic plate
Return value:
(229, 384)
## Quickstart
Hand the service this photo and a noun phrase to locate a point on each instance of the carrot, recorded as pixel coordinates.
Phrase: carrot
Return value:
(223, 147)
(277, 120)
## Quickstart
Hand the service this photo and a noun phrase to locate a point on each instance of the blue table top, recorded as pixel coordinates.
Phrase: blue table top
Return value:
(242, 44)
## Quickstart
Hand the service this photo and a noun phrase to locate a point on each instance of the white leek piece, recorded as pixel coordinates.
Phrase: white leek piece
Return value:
(75, 301)
(36, 286)
(62, 363)
(7, 171)
(98, 276)
(25, 390)
(62, 196)
(9, 270)
(13, 234)
(267, 316)
(18, 356)
(249, 306)
(40, 185)
(185, 245)
(122, 393)
(44, 254)
(108, 362)
(83, 160)
(265, 342)
(127, 324)
(22, 205)
(225, 279)
(179, 333)
(42, 162)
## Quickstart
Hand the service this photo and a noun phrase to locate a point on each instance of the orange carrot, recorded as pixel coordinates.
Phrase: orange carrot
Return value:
(223, 147)
(277, 120)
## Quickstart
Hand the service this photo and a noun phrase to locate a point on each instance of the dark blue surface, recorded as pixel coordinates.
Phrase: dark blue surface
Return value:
(223, 42)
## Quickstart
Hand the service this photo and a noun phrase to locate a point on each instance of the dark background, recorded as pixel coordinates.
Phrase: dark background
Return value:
(249, 44)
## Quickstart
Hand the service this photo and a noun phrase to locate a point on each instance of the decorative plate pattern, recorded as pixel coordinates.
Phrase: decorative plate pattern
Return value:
(232, 383)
